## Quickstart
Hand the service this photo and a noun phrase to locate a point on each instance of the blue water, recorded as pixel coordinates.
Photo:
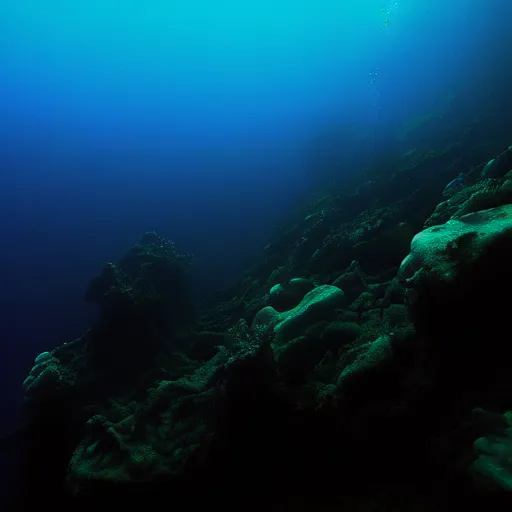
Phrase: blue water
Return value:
(206, 121)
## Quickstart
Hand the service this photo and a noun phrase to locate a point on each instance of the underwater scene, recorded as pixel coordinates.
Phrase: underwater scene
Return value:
(256, 255)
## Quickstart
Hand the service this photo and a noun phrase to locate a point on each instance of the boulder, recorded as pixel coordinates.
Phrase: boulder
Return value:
(457, 273)
(352, 281)
(286, 296)
(318, 305)
(47, 376)
(440, 252)
(493, 450)
(498, 166)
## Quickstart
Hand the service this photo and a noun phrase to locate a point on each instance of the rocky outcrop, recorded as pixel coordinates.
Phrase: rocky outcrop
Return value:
(493, 449)
(317, 305)
(457, 277)
(312, 388)
(287, 295)
(458, 267)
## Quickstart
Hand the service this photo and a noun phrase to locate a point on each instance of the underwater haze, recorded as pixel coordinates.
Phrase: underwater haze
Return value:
(205, 121)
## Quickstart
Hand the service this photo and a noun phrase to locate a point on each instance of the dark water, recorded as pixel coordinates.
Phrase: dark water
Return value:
(206, 122)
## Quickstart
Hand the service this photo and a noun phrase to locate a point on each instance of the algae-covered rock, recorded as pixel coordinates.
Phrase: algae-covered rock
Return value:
(301, 354)
(147, 285)
(370, 359)
(454, 274)
(440, 252)
(289, 294)
(338, 334)
(48, 376)
(318, 305)
(483, 195)
(493, 450)
(352, 281)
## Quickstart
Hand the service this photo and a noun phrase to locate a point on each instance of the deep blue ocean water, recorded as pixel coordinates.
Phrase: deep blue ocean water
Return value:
(205, 121)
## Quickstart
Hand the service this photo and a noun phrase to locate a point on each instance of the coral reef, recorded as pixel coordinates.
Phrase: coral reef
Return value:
(362, 364)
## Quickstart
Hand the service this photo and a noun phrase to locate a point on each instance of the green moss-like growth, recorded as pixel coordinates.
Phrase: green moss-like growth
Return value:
(339, 334)
(298, 357)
